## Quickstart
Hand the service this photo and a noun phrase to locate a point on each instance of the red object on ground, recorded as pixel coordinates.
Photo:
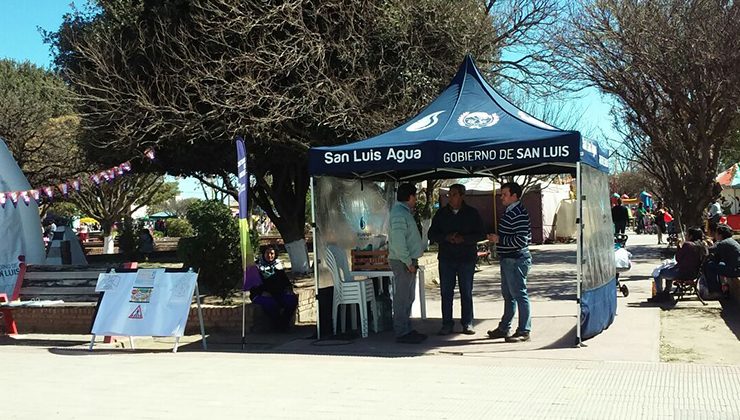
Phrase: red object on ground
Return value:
(10, 325)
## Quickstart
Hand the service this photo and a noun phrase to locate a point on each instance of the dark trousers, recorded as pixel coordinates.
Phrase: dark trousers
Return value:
(280, 309)
(620, 227)
(712, 271)
(461, 273)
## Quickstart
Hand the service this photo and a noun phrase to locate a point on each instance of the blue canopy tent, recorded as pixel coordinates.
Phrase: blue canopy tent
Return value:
(470, 130)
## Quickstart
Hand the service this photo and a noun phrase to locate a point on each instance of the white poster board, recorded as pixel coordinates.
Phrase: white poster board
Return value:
(144, 303)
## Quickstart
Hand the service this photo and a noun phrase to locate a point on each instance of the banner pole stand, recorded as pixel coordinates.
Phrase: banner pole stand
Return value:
(177, 343)
(131, 342)
(92, 343)
(200, 313)
(244, 320)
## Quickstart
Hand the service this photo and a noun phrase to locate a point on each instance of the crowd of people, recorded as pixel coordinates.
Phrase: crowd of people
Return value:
(706, 259)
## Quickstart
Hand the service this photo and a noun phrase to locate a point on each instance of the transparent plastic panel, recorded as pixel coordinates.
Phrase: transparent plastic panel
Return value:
(598, 231)
(352, 214)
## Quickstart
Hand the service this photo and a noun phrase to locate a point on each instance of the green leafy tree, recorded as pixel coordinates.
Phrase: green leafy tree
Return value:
(38, 124)
(214, 250)
(110, 202)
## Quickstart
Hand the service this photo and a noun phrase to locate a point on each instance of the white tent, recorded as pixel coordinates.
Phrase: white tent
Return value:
(20, 225)
(551, 199)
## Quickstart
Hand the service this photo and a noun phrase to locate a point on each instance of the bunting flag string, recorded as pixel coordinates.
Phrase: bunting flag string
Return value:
(47, 192)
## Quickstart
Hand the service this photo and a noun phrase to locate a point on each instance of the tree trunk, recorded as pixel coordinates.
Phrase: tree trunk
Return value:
(284, 201)
(298, 256)
(108, 238)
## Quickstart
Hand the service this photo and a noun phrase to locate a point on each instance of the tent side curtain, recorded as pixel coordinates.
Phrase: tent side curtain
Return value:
(599, 296)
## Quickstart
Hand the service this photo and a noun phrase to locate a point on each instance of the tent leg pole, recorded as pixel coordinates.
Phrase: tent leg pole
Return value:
(579, 253)
(315, 259)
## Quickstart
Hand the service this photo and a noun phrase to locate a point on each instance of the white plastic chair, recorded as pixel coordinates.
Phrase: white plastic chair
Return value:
(349, 292)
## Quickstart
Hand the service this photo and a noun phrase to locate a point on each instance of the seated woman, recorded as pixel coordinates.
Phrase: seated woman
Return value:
(688, 265)
(275, 294)
(724, 258)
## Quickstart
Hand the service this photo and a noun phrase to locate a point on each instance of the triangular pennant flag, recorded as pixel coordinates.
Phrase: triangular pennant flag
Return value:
(3, 199)
(118, 170)
(76, 184)
(95, 178)
(49, 192)
(125, 166)
(36, 194)
(149, 153)
(13, 196)
(63, 188)
(26, 198)
(111, 174)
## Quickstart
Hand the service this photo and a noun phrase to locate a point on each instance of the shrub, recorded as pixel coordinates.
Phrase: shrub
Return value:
(214, 250)
(179, 228)
(128, 237)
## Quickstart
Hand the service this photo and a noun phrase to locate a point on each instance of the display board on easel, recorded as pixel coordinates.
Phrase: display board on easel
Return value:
(148, 302)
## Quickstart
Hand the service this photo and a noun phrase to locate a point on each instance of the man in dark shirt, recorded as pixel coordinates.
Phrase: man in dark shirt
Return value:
(724, 258)
(619, 217)
(457, 228)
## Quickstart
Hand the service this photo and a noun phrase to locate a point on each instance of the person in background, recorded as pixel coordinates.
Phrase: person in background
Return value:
(715, 212)
(146, 243)
(640, 214)
(275, 295)
(512, 243)
(659, 215)
(457, 228)
(689, 259)
(404, 250)
(620, 217)
(724, 258)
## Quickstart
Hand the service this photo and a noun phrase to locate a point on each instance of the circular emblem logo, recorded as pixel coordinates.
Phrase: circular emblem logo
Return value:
(477, 119)
(423, 123)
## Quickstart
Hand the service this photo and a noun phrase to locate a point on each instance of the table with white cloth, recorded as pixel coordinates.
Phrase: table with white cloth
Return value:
(419, 308)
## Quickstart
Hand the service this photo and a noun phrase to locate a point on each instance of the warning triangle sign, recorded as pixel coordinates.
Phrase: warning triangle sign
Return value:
(137, 313)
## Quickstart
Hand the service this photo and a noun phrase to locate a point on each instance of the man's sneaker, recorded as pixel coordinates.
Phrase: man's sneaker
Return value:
(468, 331)
(518, 337)
(497, 333)
(445, 330)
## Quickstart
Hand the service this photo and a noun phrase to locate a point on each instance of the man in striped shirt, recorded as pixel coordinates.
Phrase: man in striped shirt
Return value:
(512, 243)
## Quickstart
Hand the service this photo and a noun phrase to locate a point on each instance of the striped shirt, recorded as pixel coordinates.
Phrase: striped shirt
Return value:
(514, 232)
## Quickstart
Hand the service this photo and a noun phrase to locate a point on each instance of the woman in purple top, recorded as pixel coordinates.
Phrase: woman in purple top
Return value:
(688, 265)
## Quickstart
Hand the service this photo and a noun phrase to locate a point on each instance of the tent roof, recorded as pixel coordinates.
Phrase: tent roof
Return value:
(469, 130)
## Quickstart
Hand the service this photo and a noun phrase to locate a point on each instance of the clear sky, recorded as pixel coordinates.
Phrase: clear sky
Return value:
(21, 40)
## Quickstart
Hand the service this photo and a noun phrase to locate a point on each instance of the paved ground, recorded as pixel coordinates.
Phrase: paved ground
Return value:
(74, 384)
(619, 374)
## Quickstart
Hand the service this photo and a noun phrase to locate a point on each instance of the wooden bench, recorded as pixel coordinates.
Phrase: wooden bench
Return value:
(50, 285)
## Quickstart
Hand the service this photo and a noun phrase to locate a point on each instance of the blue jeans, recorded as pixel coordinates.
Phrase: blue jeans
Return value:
(461, 273)
(514, 289)
(669, 274)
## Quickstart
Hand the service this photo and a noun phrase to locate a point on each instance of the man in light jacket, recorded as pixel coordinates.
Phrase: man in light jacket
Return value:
(404, 250)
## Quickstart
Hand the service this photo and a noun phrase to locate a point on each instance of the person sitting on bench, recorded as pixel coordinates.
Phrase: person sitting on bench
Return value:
(724, 258)
(688, 265)
(275, 294)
